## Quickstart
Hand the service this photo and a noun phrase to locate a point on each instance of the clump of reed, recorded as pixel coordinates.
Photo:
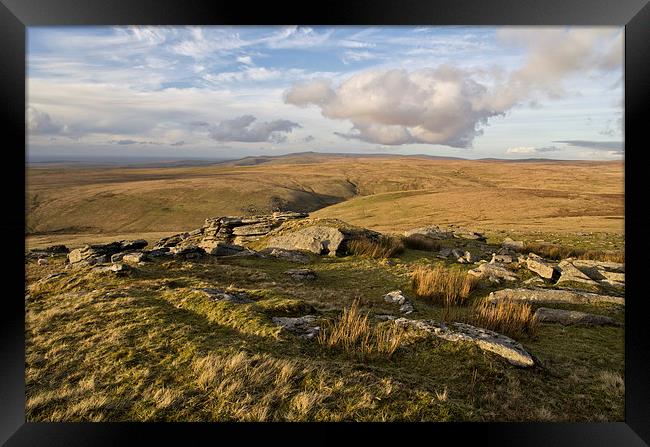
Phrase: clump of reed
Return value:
(383, 247)
(352, 332)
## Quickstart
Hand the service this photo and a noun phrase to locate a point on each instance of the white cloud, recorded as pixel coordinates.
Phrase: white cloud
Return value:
(41, 123)
(358, 56)
(432, 106)
(520, 150)
(246, 60)
(246, 129)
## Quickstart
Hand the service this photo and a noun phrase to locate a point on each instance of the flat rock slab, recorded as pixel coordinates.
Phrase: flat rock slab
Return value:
(398, 297)
(547, 315)
(539, 266)
(287, 255)
(304, 327)
(301, 274)
(554, 296)
(318, 239)
(496, 271)
(486, 340)
(229, 296)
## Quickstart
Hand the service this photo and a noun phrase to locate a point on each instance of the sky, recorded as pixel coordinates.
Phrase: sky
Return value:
(230, 92)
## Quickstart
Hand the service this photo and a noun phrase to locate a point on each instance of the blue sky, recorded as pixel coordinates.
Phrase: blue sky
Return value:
(214, 92)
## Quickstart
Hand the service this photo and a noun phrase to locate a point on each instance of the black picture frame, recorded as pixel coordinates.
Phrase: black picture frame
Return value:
(16, 15)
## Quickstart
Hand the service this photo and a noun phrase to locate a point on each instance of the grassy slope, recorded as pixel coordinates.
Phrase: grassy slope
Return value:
(147, 347)
(388, 194)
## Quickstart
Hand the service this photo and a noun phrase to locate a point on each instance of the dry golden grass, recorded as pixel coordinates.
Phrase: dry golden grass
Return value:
(558, 252)
(506, 317)
(384, 247)
(442, 285)
(352, 332)
(386, 194)
(420, 242)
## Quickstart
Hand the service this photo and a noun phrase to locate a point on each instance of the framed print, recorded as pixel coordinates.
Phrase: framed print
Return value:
(363, 215)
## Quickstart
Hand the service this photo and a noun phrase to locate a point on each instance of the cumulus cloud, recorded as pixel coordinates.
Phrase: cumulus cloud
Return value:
(245, 129)
(432, 106)
(308, 138)
(41, 123)
(552, 55)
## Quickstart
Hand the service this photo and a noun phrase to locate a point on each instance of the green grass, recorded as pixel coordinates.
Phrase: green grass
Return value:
(148, 347)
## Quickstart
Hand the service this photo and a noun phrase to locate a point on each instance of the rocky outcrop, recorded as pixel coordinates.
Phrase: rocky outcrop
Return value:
(398, 297)
(554, 296)
(52, 250)
(437, 232)
(318, 239)
(486, 340)
(608, 274)
(304, 327)
(547, 315)
(101, 253)
(217, 233)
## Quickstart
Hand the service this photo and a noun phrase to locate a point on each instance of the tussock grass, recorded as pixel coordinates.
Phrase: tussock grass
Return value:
(352, 332)
(420, 242)
(441, 285)
(506, 317)
(558, 252)
(384, 247)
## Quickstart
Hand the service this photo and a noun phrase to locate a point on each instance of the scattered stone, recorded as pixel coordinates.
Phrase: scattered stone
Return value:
(398, 297)
(42, 261)
(571, 276)
(445, 252)
(493, 272)
(301, 274)
(503, 259)
(510, 244)
(134, 257)
(117, 268)
(304, 327)
(535, 281)
(229, 296)
(462, 233)
(547, 315)
(554, 296)
(431, 231)
(485, 339)
(538, 265)
(599, 265)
